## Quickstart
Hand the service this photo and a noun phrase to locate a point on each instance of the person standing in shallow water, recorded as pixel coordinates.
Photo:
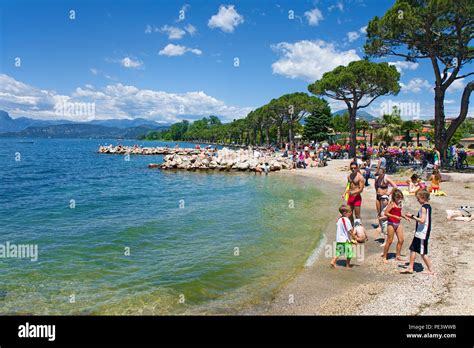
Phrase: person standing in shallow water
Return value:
(354, 188)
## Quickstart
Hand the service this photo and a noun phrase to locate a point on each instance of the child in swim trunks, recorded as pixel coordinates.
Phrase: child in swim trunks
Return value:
(394, 225)
(419, 245)
(344, 235)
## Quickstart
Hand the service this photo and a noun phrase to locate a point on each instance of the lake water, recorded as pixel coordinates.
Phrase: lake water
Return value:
(198, 242)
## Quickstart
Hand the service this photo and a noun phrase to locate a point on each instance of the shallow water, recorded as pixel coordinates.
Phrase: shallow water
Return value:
(198, 242)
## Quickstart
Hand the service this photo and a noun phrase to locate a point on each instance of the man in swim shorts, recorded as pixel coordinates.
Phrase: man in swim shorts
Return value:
(354, 200)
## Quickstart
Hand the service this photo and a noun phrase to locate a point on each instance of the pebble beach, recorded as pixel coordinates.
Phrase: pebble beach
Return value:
(374, 288)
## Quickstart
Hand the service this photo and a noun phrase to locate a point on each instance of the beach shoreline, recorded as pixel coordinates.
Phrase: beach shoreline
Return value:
(374, 288)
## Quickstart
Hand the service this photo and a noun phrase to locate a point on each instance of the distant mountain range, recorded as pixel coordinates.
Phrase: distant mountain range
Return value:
(364, 115)
(28, 127)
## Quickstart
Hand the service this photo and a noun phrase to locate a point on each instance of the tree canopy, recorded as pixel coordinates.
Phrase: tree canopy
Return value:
(357, 85)
(439, 31)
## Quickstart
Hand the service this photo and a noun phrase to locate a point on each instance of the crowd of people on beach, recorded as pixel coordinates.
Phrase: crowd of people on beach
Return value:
(389, 205)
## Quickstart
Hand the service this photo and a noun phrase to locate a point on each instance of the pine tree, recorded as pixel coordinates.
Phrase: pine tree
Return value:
(317, 125)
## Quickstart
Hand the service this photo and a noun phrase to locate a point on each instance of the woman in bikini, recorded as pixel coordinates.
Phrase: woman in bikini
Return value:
(382, 184)
(394, 214)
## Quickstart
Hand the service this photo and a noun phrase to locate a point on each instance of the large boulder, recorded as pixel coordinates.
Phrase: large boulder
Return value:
(242, 166)
(275, 165)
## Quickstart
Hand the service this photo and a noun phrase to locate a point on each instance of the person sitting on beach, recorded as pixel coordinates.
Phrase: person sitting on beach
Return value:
(435, 181)
(344, 235)
(294, 159)
(415, 184)
(419, 245)
(394, 215)
(301, 160)
(360, 234)
(383, 223)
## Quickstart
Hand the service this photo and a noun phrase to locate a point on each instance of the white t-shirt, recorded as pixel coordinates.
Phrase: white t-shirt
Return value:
(343, 226)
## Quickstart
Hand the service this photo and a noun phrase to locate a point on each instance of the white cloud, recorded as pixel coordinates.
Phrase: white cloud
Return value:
(114, 101)
(314, 16)
(415, 85)
(226, 19)
(363, 30)
(456, 86)
(191, 29)
(98, 72)
(404, 65)
(174, 33)
(352, 36)
(151, 29)
(171, 50)
(128, 62)
(309, 60)
(339, 6)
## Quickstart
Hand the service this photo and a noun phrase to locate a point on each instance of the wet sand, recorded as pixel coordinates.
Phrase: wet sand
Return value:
(372, 287)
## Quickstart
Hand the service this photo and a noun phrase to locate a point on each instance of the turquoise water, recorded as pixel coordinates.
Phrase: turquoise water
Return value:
(181, 228)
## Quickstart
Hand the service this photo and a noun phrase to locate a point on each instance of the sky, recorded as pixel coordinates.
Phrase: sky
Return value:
(173, 60)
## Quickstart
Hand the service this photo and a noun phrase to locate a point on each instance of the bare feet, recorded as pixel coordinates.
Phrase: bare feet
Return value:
(385, 260)
(407, 271)
(349, 266)
(428, 273)
(333, 265)
(399, 258)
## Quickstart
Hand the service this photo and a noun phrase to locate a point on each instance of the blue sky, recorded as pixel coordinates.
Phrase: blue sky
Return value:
(140, 59)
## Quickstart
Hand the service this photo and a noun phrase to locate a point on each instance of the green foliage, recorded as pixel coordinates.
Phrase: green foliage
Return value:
(317, 123)
(441, 31)
(357, 80)
(391, 127)
(422, 29)
(464, 131)
(350, 84)
(340, 123)
(266, 124)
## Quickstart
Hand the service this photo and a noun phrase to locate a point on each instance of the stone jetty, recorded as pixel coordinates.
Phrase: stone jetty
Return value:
(226, 160)
(251, 160)
(152, 151)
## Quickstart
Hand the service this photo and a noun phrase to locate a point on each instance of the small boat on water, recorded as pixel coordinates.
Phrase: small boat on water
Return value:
(26, 142)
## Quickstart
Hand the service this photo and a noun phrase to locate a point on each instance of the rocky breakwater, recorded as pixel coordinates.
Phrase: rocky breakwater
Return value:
(139, 150)
(226, 160)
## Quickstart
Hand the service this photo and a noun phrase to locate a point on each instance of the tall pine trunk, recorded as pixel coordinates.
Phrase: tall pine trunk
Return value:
(352, 128)
(441, 141)
(290, 135)
(279, 136)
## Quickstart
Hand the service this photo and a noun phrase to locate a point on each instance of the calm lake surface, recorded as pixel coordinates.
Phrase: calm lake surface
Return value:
(216, 241)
